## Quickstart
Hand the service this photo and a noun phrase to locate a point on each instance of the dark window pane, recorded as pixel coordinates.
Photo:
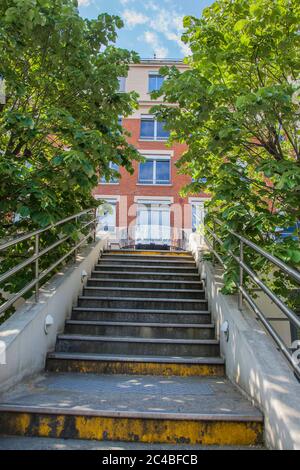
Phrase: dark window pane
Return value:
(152, 83)
(147, 128)
(122, 82)
(155, 82)
(162, 133)
(162, 172)
(146, 172)
(115, 167)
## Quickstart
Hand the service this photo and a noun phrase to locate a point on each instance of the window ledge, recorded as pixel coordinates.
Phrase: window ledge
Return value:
(149, 184)
(109, 184)
(153, 140)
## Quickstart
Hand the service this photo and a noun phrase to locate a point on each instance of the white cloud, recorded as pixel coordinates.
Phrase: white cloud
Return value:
(152, 39)
(126, 2)
(163, 24)
(170, 24)
(133, 18)
(84, 3)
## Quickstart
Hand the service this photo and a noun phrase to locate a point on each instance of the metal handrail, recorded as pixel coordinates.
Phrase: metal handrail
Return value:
(244, 295)
(26, 236)
(40, 253)
(283, 266)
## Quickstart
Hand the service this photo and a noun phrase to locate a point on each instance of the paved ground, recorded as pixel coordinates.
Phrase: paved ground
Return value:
(38, 443)
(133, 394)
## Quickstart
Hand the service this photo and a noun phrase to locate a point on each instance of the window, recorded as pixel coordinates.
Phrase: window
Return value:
(154, 171)
(153, 130)
(107, 216)
(112, 180)
(122, 83)
(197, 216)
(155, 82)
(153, 224)
(199, 180)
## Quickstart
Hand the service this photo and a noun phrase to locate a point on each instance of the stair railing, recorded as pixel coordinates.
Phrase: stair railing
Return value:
(84, 219)
(290, 315)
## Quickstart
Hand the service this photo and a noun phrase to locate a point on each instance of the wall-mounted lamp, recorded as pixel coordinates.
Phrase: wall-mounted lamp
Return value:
(48, 323)
(225, 330)
(84, 276)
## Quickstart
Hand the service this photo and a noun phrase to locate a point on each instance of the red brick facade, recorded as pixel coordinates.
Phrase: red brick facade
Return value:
(130, 189)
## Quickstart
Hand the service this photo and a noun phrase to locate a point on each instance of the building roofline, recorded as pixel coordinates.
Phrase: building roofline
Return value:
(162, 61)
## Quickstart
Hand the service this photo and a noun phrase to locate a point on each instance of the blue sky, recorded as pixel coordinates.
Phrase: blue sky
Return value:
(151, 26)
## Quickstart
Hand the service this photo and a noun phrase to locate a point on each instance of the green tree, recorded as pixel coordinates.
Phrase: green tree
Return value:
(238, 110)
(59, 125)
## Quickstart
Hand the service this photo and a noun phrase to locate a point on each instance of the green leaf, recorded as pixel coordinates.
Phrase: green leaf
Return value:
(239, 25)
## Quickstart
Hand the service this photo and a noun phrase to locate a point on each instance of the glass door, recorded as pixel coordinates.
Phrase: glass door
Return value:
(153, 224)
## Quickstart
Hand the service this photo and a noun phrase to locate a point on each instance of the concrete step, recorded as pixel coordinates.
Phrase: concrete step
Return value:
(175, 254)
(145, 276)
(139, 346)
(141, 330)
(145, 284)
(145, 261)
(156, 268)
(134, 256)
(190, 410)
(141, 315)
(142, 292)
(143, 303)
(18, 443)
(141, 365)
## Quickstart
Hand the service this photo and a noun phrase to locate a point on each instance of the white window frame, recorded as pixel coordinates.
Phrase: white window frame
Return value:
(155, 159)
(150, 117)
(113, 203)
(151, 74)
(198, 203)
(122, 84)
(144, 232)
(110, 181)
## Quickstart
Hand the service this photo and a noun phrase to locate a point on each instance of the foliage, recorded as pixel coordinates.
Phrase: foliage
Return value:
(59, 125)
(238, 110)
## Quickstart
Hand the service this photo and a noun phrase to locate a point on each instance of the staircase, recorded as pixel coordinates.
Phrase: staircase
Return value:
(138, 362)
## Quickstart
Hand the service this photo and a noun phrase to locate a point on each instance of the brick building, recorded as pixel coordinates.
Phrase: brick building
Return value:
(145, 209)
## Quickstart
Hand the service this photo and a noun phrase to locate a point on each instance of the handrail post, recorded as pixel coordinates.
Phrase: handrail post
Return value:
(241, 278)
(75, 251)
(95, 223)
(214, 244)
(37, 250)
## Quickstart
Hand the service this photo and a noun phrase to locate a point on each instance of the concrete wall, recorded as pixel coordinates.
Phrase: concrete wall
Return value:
(255, 365)
(23, 340)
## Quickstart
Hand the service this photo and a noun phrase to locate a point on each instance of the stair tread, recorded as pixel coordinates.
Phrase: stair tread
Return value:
(160, 252)
(148, 281)
(132, 397)
(145, 266)
(142, 289)
(142, 299)
(49, 443)
(132, 339)
(136, 358)
(132, 255)
(148, 273)
(140, 310)
(150, 260)
(139, 324)
(86, 411)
